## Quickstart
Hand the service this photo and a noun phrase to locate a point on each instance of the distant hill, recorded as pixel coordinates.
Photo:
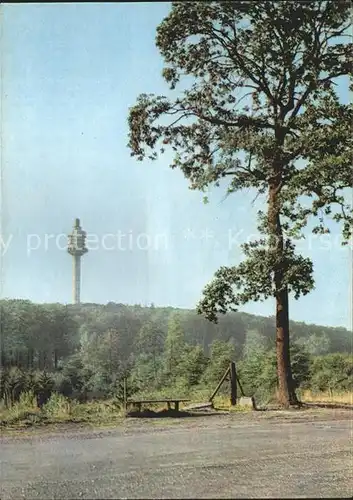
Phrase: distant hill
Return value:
(43, 335)
(232, 326)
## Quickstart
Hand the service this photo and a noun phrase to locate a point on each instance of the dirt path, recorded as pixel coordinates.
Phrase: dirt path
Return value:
(225, 456)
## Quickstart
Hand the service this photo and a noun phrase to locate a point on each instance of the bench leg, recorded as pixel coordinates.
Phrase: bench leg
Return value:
(168, 404)
(139, 407)
(176, 405)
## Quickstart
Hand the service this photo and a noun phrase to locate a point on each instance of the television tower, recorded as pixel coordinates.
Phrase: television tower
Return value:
(76, 247)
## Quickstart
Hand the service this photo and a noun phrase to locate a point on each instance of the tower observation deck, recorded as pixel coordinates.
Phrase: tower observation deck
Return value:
(77, 248)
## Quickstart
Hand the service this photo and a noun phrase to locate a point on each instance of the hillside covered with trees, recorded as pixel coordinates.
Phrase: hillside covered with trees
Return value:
(85, 351)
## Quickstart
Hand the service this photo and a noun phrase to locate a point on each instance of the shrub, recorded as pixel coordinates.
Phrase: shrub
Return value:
(58, 406)
(44, 388)
(221, 354)
(23, 408)
(12, 384)
(331, 372)
(62, 384)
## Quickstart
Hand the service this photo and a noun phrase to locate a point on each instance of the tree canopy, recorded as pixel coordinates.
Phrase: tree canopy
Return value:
(163, 351)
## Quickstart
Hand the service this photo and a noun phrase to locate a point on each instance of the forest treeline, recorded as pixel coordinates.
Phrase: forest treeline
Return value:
(85, 350)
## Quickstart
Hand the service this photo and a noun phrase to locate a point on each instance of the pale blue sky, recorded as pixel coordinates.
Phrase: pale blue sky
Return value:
(70, 72)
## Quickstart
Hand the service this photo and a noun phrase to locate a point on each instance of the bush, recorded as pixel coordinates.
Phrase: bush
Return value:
(258, 375)
(192, 365)
(23, 408)
(331, 372)
(44, 388)
(62, 384)
(221, 354)
(58, 406)
(12, 384)
(73, 371)
(300, 362)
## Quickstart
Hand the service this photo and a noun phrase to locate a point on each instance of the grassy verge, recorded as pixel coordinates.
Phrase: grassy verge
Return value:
(57, 410)
(334, 398)
(327, 397)
(60, 410)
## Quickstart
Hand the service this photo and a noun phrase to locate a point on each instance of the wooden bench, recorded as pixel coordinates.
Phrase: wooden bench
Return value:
(138, 403)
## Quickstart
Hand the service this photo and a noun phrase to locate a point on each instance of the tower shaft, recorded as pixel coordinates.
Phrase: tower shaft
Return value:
(76, 278)
(76, 248)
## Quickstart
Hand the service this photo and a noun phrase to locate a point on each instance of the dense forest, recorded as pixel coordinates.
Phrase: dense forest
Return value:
(84, 351)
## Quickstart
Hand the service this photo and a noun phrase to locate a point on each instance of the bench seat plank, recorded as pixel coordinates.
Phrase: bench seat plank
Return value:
(176, 400)
(140, 402)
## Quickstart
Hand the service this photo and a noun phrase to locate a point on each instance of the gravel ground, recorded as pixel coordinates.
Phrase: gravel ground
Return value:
(263, 455)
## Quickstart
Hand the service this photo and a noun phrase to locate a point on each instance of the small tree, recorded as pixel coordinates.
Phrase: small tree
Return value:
(262, 96)
(300, 364)
(316, 345)
(174, 346)
(254, 345)
(149, 345)
(192, 365)
(45, 386)
(221, 354)
(332, 372)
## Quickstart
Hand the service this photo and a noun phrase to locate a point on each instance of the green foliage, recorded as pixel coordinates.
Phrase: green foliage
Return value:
(300, 361)
(148, 365)
(147, 373)
(254, 346)
(35, 336)
(174, 347)
(258, 368)
(253, 279)
(264, 85)
(118, 390)
(315, 344)
(220, 46)
(62, 384)
(57, 405)
(221, 354)
(192, 365)
(94, 321)
(32, 381)
(73, 372)
(12, 384)
(45, 386)
(23, 408)
(200, 352)
(150, 340)
(332, 372)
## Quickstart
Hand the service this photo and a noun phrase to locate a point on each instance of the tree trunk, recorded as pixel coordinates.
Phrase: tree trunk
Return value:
(2, 349)
(155, 366)
(30, 356)
(41, 361)
(286, 392)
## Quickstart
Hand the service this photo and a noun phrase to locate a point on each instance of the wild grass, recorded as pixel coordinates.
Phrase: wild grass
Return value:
(58, 409)
(306, 396)
(327, 397)
(25, 409)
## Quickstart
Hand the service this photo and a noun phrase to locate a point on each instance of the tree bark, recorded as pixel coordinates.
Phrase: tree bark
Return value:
(286, 393)
(30, 356)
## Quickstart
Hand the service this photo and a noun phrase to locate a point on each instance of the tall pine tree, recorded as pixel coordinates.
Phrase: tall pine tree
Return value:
(259, 107)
